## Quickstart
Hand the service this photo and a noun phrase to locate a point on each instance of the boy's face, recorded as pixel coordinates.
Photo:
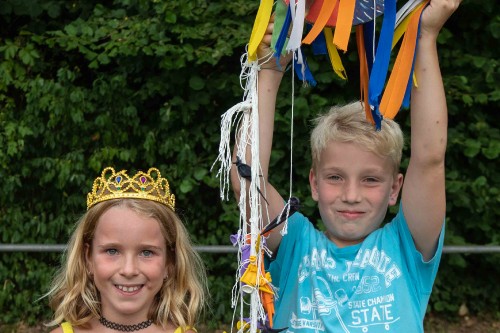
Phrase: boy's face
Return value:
(353, 188)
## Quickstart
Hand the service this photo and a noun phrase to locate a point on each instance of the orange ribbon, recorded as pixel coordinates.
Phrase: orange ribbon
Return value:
(344, 24)
(398, 81)
(363, 72)
(325, 13)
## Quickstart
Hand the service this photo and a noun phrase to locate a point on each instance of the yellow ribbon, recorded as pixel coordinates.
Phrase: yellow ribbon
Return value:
(259, 28)
(337, 65)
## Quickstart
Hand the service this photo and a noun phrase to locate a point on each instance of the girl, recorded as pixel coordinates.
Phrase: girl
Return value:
(129, 264)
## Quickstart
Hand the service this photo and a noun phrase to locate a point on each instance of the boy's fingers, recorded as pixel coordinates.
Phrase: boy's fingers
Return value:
(270, 27)
(267, 39)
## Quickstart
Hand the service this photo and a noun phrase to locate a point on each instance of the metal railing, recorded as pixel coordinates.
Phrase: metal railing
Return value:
(231, 249)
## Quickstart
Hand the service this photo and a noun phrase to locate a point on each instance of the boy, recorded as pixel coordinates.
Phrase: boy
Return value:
(356, 276)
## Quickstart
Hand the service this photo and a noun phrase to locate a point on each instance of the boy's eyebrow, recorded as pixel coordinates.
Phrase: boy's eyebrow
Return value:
(369, 169)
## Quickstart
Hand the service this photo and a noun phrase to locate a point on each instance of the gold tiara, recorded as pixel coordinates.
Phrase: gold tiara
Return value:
(118, 185)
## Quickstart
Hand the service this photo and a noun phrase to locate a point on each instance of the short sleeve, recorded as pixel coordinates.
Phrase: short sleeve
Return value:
(180, 330)
(66, 327)
(426, 271)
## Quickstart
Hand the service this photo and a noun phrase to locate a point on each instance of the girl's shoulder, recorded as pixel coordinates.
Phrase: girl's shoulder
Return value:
(63, 328)
(57, 330)
(67, 328)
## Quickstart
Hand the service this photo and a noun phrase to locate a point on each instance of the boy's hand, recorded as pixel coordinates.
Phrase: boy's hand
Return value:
(435, 15)
(265, 52)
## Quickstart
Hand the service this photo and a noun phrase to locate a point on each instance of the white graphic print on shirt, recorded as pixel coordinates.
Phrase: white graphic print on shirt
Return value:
(366, 277)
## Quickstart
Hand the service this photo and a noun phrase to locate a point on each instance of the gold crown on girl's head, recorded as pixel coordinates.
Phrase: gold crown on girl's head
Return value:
(119, 185)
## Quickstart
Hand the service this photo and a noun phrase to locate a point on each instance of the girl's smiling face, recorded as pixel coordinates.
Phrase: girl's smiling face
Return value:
(128, 261)
(353, 188)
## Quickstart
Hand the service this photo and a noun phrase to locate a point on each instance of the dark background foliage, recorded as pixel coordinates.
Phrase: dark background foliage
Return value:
(136, 83)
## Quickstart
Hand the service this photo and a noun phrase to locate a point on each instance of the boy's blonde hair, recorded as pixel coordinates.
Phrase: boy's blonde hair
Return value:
(348, 124)
(74, 297)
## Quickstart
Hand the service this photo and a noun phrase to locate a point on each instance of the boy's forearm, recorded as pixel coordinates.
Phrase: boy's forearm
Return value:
(423, 195)
(429, 116)
(269, 82)
(268, 85)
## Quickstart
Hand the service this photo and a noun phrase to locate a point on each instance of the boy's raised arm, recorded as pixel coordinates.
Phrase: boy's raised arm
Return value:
(423, 196)
(269, 80)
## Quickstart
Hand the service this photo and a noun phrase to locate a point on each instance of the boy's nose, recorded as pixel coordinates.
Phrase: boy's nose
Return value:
(351, 192)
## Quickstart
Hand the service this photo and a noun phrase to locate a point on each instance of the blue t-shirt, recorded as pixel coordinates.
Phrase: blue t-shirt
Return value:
(380, 285)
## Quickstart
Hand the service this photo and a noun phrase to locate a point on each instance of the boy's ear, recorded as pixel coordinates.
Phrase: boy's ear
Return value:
(313, 182)
(396, 188)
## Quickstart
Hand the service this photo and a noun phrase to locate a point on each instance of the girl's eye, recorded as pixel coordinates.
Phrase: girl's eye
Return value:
(147, 253)
(111, 252)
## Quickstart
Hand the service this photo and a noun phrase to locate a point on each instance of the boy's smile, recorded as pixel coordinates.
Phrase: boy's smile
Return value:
(353, 188)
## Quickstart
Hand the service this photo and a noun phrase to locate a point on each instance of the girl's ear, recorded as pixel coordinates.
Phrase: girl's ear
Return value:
(169, 271)
(88, 257)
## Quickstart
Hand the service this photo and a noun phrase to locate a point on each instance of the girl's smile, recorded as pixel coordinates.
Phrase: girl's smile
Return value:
(129, 290)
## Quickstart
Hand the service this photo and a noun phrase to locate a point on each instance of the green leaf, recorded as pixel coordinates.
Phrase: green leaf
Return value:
(492, 151)
(170, 17)
(186, 186)
(196, 83)
(472, 148)
(71, 30)
(200, 173)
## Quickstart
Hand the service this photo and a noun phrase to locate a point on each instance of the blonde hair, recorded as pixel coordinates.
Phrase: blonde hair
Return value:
(348, 124)
(74, 298)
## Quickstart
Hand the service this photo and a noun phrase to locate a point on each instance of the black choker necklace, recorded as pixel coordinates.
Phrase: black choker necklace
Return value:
(125, 328)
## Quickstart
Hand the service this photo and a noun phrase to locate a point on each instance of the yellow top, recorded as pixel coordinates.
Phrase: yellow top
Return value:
(67, 328)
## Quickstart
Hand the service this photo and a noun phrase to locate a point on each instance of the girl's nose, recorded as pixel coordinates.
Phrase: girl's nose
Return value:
(129, 266)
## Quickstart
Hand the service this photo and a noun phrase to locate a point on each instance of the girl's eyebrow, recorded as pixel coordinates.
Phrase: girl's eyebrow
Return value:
(108, 245)
(151, 246)
(118, 245)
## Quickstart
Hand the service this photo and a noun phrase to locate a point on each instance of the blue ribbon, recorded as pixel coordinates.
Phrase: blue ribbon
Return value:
(368, 40)
(319, 45)
(308, 77)
(380, 68)
(280, 42)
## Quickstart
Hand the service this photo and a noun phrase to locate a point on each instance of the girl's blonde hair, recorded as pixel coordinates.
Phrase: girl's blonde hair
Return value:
(74, 298)
(348, 124)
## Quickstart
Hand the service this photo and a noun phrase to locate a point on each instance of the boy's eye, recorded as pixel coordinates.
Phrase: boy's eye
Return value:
(112, 252)
(371, 180)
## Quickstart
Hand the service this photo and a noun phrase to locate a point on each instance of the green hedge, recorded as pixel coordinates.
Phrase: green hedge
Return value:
(135, 83)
